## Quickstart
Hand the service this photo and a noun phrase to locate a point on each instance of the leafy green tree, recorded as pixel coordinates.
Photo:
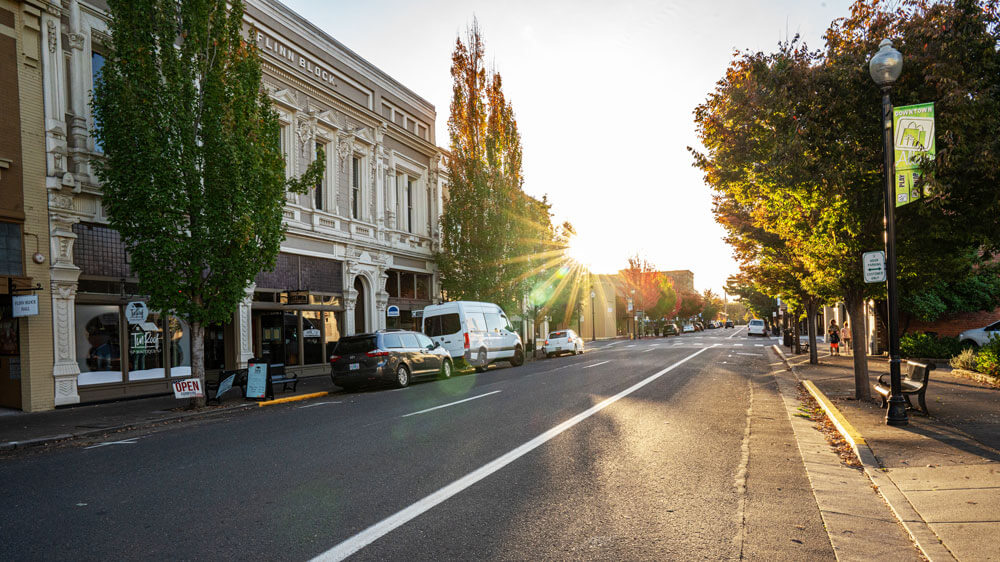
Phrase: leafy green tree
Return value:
(496, 239)
(793, 150)
(712, 305)
(193, 174)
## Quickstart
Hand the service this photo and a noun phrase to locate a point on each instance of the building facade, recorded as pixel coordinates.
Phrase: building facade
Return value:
(359, 245)
(25, 340)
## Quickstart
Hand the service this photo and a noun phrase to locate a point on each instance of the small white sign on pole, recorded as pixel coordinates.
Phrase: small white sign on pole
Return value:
(188, 388)
(24, 305)
(136, 312)
(873, 264)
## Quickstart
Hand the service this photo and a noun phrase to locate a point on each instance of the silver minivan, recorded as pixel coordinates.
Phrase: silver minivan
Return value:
(477, 332)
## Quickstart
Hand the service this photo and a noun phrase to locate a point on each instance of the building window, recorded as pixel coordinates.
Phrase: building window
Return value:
(392, 284)
(285, 139)
(98, 345)
(145, 349)
(424, 287)
(406, 285)
(355, 187)
(409, 204)
(320, 189)
(180, 348)
(10, 249)
(96, 65)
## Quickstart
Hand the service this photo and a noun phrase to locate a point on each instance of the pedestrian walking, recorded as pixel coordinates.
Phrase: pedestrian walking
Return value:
(846, 336)
(833, 336)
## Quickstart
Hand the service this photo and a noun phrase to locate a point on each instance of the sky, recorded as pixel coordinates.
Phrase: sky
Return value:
(603, 92)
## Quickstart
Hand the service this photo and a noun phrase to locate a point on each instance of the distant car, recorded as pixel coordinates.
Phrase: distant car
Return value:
(756, 327)
(729, 324)
(689, 328)
(563, 341)
(979, 336)
(698, 326)
(670, 330)
(397, 357)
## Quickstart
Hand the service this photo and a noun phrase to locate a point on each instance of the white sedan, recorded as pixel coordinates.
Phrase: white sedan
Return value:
(563, 341)
(980, 336)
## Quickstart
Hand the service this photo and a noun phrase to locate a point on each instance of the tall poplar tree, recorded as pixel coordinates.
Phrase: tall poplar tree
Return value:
(193, 172)
(494, 235)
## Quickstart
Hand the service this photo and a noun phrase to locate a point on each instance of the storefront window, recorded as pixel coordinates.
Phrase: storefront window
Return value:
(312, 337)
(272, 345)
(392, 284)
(145, 349)
(180, 348)
(98, 344)
(215, 347)
(292, 339)
(332, 321)
(423, 287)
(406, 285)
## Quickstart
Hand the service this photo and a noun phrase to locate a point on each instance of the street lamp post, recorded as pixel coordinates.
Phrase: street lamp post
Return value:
(885, 67)
(593, 319)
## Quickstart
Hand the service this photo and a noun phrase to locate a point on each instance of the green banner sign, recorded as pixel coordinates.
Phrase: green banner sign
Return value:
(913, 128)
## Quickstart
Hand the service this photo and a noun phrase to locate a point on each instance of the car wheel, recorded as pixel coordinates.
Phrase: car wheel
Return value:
(481, 360)
(402, 376)
(518, 358)
(970, 344)
(548, 356)
(446, 369)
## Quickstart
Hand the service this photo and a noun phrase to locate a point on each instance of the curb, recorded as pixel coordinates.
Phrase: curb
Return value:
(295, 398)
(921, 534)
(12, 445)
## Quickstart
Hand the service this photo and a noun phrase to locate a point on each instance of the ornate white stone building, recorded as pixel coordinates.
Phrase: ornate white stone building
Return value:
(358, 243)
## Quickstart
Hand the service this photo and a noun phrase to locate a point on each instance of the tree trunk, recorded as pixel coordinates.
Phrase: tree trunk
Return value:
(811, 330)
(855, 311)
(198, 360)
(796, 344)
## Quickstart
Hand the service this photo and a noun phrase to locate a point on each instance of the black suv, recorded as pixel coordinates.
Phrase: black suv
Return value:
(393, 356)
(670, 330)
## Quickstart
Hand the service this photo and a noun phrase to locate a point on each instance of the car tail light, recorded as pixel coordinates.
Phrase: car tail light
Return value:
(377, 353)
(466, 340)
(569, 339)
(334, 358)
(546, 342)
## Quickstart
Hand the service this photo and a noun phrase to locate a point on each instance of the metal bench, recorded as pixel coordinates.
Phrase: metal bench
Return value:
(913, 381)
(278, 376)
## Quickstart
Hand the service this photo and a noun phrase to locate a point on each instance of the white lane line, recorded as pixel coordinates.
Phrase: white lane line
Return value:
(450, 404)
(737, 345)
(646, 350)
(596, 364)
(753, 354)
(320, 404)
(758, 345)
(633, 345)
(129, 441)
(387, 525)
(738, 330)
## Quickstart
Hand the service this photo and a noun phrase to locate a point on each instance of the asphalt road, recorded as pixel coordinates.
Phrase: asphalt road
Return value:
(649, 450)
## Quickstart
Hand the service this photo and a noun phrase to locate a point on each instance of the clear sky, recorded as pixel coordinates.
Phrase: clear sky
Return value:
(603, 92)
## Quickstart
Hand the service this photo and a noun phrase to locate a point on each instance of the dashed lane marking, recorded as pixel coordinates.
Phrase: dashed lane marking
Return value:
(596, 364)
(129, 441)
(450, 404)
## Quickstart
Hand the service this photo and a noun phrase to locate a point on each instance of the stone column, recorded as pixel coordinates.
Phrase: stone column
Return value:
(244, 325)
(381, 298)
(350, 301)
(65, 370)
(64, 277)
(79, 65)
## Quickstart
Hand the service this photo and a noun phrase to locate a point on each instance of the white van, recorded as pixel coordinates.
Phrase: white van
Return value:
(477, 332)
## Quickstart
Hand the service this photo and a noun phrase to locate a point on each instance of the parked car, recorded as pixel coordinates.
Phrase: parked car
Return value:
(979, 336)
(689, 328)
(563, 341)
(729, 324)
(670, 330)
(397, 357)
(756, 327)
(477, 333)
(699, 327)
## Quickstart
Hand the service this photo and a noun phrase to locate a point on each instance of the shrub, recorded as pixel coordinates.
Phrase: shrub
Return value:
(920, 344)
(964, 360)
(988, 362)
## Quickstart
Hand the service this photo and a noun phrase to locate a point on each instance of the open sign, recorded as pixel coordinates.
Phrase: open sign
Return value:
(188, 388)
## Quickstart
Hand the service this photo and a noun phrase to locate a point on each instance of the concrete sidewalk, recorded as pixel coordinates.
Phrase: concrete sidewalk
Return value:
(20, 430)
(944, 468)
